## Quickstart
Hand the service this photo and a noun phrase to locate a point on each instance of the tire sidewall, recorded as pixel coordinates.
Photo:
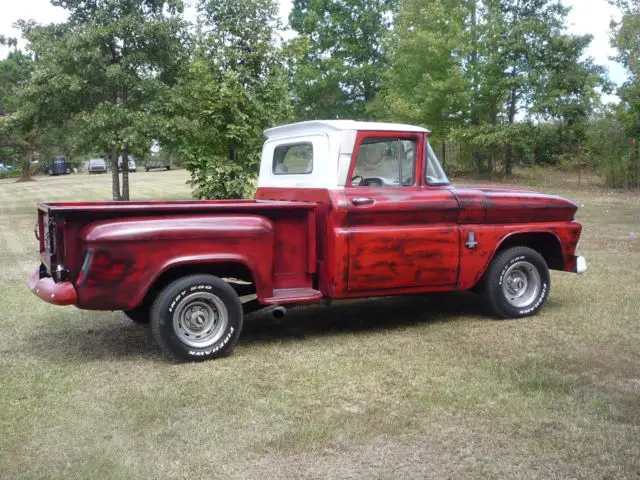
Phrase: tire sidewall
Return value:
(502, 266)
(168, 300)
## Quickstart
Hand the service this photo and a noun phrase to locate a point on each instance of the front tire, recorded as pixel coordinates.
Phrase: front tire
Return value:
(196, 318)
(517, 283)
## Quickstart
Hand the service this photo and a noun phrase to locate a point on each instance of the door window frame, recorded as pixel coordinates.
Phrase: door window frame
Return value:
(417, 137)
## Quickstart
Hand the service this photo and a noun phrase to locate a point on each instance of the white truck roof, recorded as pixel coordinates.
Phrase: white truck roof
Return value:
(331, 143)
(326, 126)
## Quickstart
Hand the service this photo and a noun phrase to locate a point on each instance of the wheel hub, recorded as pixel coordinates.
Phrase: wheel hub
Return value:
(521, 284)
(516, 283)
(200, 319)
(197, 317)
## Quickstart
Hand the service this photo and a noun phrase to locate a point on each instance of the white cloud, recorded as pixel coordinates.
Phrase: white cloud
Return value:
(39, 10)
(594, 17)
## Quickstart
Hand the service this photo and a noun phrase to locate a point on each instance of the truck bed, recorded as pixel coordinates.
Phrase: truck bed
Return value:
(62, 226)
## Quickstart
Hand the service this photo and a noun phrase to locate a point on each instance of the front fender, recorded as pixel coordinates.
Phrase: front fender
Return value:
(129, 255)
(489, 238)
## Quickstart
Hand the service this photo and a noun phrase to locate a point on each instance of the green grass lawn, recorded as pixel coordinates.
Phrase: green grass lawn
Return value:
(406, 387)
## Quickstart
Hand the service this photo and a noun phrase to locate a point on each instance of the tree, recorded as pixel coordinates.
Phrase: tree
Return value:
(19, 128)
(570, 88)
(104, 70)
(625, 37)
(425, 83)
(338, 56)
(479, 71)
(234, 88)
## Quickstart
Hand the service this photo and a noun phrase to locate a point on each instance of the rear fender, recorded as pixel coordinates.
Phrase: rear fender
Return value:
(144, 248)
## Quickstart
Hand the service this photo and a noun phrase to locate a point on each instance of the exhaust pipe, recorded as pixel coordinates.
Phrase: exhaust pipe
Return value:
(279, 312)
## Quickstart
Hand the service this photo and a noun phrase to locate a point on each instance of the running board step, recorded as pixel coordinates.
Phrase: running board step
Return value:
(293, 295)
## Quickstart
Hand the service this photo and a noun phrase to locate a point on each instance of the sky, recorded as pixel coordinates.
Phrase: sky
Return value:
(587, 16)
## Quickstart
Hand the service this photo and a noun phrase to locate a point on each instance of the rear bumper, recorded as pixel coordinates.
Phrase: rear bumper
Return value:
(61, 293)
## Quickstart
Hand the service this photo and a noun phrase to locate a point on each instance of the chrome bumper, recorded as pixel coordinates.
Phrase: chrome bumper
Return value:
(581, 265)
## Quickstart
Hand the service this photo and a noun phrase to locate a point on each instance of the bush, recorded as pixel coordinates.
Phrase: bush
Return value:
(608, 150)
(13, 173)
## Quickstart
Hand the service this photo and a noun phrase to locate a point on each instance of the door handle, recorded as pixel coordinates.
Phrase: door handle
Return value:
(359, 201)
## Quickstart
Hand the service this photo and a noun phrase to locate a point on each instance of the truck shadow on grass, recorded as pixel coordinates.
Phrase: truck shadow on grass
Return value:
(125, 341)
(360, 316)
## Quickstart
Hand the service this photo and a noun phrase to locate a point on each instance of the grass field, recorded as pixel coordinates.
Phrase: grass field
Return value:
(410, 387)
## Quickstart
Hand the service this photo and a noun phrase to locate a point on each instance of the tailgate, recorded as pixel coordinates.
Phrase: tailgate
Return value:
(46, 234)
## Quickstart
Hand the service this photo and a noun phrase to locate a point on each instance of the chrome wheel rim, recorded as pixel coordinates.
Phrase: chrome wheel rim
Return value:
(200, 319)
(521, 284)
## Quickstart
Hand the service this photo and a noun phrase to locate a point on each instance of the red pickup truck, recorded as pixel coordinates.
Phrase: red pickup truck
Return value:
(343, 209)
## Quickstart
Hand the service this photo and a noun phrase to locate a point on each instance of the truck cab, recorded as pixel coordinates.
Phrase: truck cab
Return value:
(343, 209)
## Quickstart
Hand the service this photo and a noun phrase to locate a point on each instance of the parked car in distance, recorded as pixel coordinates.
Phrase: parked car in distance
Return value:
(157, 164)
(132, 164)
(97, 165)
(342, 210)
(59, 166)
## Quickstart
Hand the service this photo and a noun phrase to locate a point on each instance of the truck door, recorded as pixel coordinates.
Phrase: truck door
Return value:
(402, 234)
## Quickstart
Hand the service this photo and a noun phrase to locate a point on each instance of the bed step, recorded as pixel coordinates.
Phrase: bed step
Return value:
(293, 295)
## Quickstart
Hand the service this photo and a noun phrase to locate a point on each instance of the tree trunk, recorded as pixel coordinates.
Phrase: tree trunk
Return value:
(508, 163)
(115, 178)
(125, 173)
(232, 153)
(533, 158)
(444, 153)
(634, 166)
(25, 172)
(478, 159)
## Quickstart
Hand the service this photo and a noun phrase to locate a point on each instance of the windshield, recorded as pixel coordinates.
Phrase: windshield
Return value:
(434, 173)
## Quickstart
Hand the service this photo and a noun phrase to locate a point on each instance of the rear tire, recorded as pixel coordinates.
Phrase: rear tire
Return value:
(196, 318)
(517, 283)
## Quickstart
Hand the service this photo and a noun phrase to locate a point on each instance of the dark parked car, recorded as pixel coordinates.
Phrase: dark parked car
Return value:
(154, 164)
(97, 165)
(59, 166)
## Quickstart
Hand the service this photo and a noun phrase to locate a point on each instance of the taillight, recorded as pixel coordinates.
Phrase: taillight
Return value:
(85, 268)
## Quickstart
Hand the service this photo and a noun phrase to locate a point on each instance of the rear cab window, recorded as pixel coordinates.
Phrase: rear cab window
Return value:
(293, 159)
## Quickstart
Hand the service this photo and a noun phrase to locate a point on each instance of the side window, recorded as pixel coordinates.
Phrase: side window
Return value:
(293, 159)
(385, 162)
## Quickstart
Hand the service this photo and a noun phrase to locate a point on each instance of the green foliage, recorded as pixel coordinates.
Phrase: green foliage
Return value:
(234, 88)
(626, 39)
(20, 129)
(607, 150)
(425, 84)
(480, 71)
(338, 57)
